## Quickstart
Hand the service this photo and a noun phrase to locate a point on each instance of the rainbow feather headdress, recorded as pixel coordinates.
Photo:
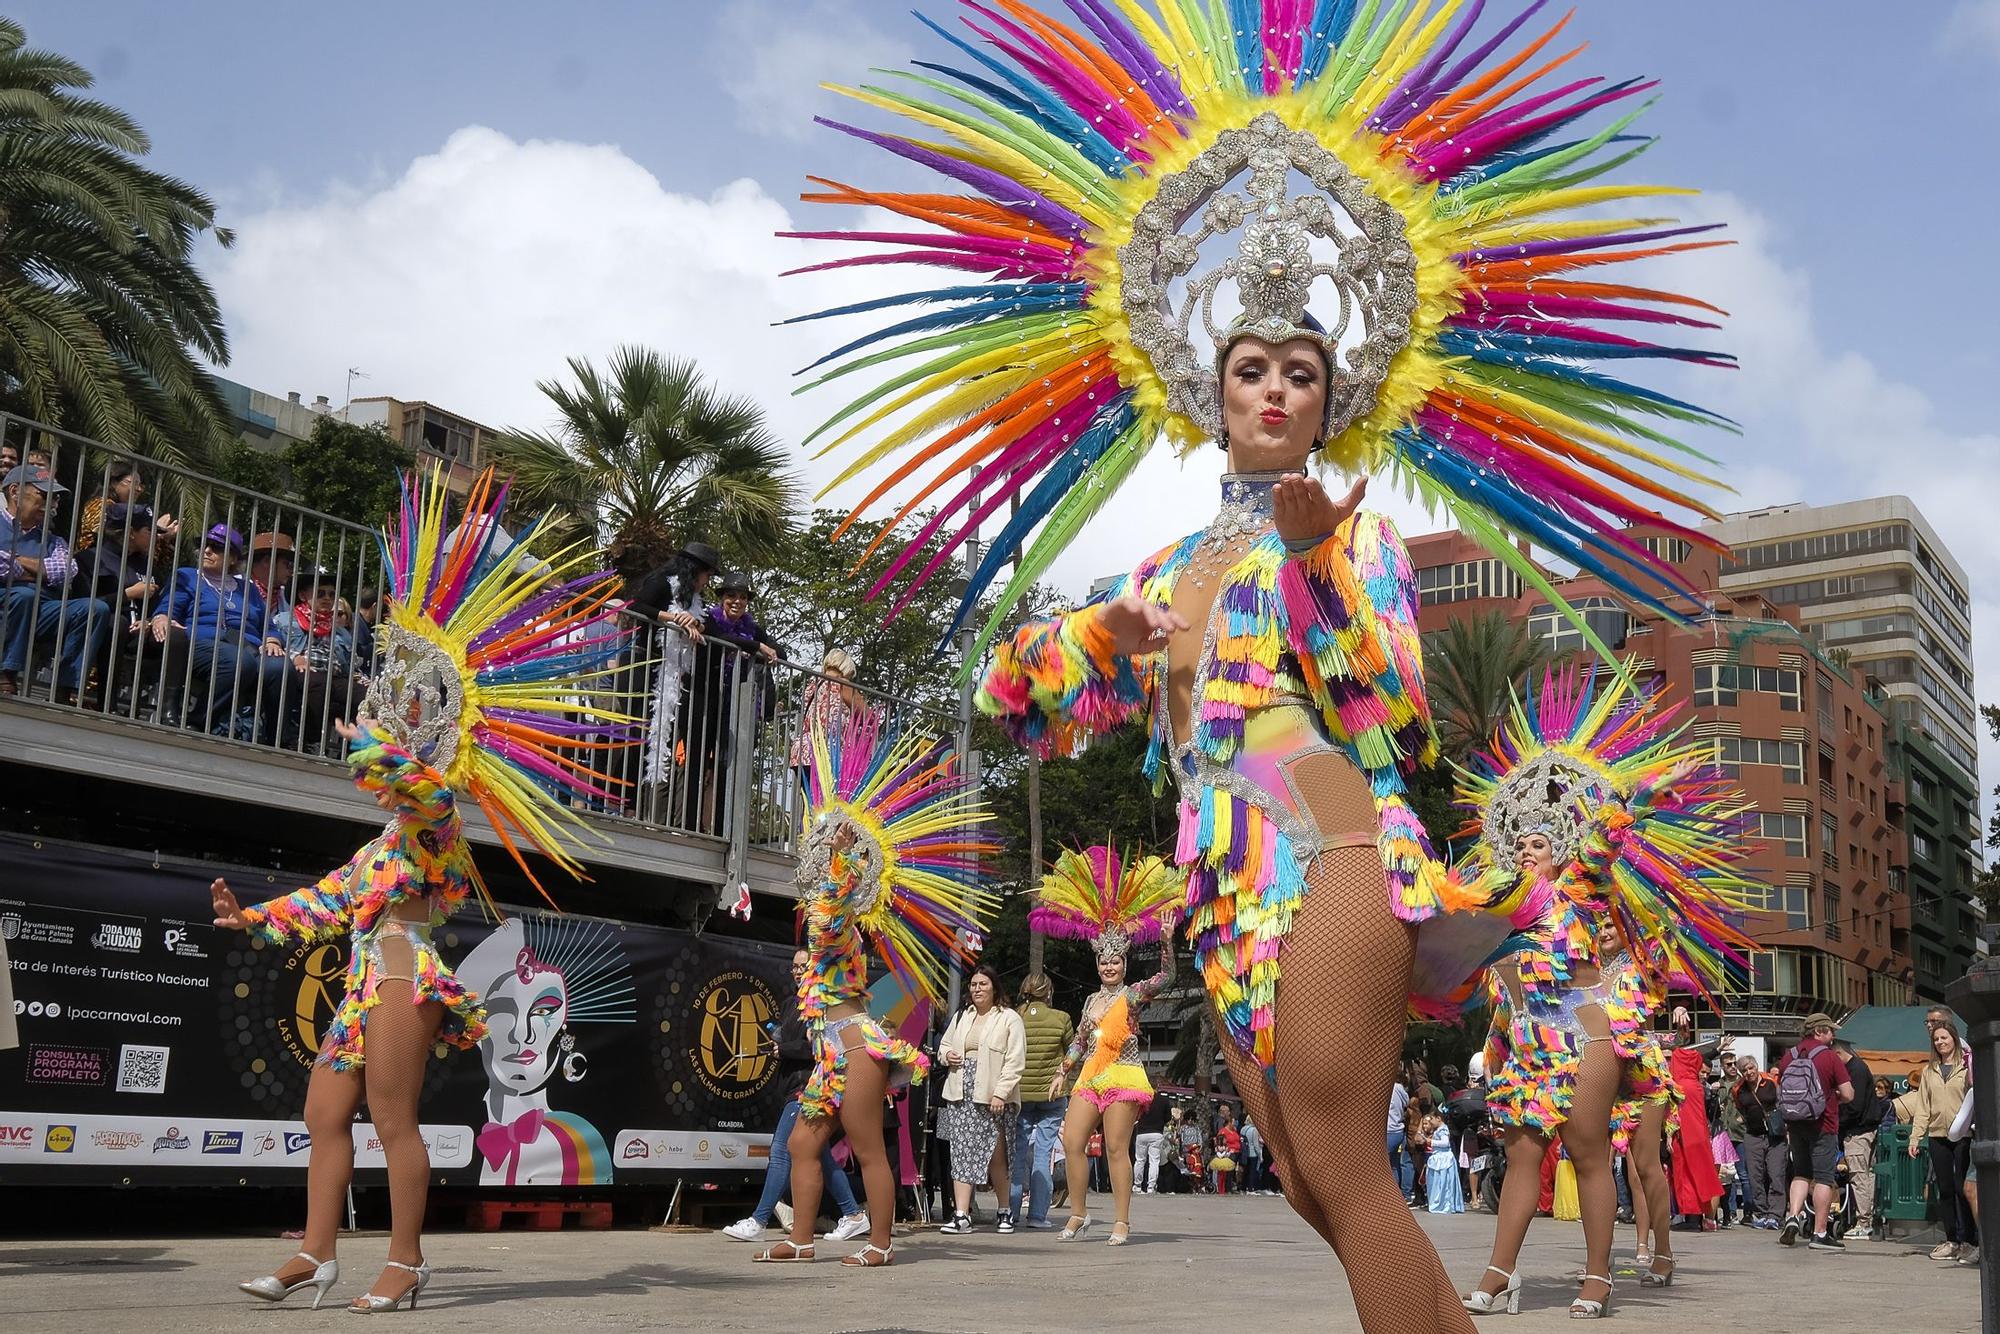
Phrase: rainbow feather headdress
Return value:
(1439, 196)
(1114, 902)
(1674, 875)
(490, 665)
(915, 873)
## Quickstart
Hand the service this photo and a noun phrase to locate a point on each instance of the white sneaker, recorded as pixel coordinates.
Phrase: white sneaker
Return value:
(744, 1229)
(785, 1217)
(850, 1227)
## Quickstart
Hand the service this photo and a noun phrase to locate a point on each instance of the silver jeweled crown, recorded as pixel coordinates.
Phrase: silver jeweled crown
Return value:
(1374, 279)
(1541, 796)
(1111, 942)
(416, 696)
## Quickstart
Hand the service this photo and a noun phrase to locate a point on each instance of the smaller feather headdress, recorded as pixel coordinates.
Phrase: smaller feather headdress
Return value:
(1111, 901)
(1673, 880)
(916, 869)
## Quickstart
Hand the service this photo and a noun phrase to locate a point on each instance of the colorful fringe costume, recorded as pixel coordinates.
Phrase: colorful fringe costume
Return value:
(482, 663)
(1095, 895)
(908, 883)
(1645, 853)
(420, 858)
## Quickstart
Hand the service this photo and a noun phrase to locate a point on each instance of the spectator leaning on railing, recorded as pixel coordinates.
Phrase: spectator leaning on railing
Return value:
(322, 650)
(120, 570)
(236, 643)
(125, 486)
(37, 608)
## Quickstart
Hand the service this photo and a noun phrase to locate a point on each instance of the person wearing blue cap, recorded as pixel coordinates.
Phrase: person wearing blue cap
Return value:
(37, 611)
(236, 643)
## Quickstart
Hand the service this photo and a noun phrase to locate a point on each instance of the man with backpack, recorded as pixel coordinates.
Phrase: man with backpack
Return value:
(1812, 1085)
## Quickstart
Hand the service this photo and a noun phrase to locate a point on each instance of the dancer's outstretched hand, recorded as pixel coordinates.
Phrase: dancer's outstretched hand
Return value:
(228, 913)
(1055, 1088)
(1138, 626)
(1304, 512)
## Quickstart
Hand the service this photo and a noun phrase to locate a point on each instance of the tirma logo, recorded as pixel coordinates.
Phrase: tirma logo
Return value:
(60, 1139)
(222, 1141)
(127, 939)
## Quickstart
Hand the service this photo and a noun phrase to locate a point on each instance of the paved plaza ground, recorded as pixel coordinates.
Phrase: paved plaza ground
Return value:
(1231, 1266)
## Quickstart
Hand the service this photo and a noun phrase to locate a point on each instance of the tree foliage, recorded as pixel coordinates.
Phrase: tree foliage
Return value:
(646, 456)
(1472, 668)
(1988, 884)
(347, 471)
(103, 314)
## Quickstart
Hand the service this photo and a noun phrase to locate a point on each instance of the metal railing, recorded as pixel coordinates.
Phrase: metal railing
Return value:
(161, 631)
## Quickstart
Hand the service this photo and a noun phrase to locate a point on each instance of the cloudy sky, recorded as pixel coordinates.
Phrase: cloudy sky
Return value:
(455, 196)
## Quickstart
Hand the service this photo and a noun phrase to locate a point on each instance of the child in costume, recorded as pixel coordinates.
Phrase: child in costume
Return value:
(476, 697)
(1444, 1193)
(1592, 825)
(893, 858)
(1114, 903)
(1386, 165)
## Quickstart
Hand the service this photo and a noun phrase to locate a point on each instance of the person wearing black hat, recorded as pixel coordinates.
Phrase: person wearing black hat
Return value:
(119, 569)
(38, 609)
(735, 654)
(671, 597)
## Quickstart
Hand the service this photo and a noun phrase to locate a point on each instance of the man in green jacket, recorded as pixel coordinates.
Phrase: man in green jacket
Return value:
(1040, 1127)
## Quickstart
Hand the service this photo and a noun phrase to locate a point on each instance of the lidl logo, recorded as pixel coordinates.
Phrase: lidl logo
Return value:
(60, 1139)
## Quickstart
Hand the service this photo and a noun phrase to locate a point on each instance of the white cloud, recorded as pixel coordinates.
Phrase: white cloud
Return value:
(779, 52)
(1974, 23)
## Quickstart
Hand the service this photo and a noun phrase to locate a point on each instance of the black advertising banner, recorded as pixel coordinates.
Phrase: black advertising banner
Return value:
(156, 1049)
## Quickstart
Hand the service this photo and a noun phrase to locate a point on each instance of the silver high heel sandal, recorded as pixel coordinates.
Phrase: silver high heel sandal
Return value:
(1482, 1302)
(1583, 1308)
(369, 1304)
(1652, 1278)
(271, 1288)
(1074, 1227)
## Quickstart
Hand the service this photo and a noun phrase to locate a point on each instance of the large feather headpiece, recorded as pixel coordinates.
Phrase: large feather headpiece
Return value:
(1121, 182)
(492, 663)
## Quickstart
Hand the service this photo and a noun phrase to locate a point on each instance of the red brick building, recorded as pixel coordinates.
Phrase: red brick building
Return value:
(1809, 742)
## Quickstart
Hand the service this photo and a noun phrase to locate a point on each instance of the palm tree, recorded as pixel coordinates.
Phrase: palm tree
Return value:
(649, 455)
(1473, 667)
(102, 311)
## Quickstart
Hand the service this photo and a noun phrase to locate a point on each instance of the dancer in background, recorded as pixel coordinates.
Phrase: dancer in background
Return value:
(475, 699)
(1115, 903)
(893, 858)
(1593, 826)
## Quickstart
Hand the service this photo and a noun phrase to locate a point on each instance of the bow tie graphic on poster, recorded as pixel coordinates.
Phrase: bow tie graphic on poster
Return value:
(503, 1141)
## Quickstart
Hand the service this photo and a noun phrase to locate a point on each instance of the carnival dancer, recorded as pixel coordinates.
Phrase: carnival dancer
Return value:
(1359, 152)
(1648, 1107)
(1607, 850)
(475, 699)
(1115, 903)
(893, 859)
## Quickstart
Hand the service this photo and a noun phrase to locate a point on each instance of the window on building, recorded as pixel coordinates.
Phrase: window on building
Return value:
(1795, 902)
(1466, 581)
(1715, 686)
(1787, 756)
(1607, 620)
(1922, 845)
(1829, 836)
(1853, 855)
(1786, 828)
(1830, 910)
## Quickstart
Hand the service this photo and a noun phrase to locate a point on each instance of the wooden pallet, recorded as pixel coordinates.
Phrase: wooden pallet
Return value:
(537, 1215)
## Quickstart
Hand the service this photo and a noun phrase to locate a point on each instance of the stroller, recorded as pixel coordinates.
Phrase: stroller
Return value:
(1844, 1213)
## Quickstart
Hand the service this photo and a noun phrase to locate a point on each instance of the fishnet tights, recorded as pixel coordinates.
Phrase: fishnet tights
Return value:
(397, 1045)
(1340, 1018)
(1652, 1197)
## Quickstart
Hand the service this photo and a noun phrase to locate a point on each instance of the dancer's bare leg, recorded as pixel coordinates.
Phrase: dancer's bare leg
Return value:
(1340, 1018)
(1081, 1118)
(398, 1046)
(1587, 1136)
(861, 1117)
(1120, 1119)
(808, 1141)
(332, 1097)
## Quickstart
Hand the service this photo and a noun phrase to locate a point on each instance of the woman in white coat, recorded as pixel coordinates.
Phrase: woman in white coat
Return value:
(986, 1048)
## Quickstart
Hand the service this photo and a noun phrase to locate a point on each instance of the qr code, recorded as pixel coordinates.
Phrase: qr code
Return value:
(142, 1069)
